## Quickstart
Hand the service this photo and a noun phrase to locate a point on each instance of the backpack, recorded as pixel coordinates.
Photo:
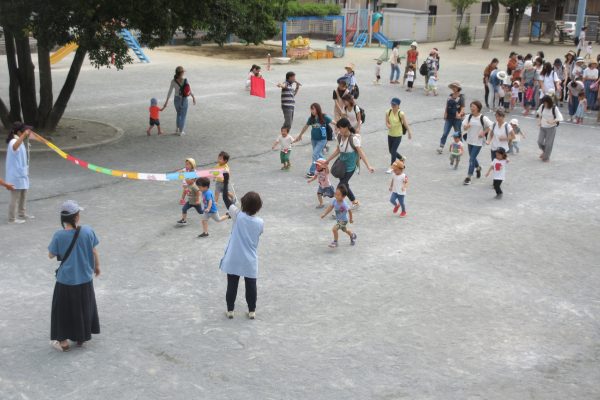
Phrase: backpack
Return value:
(423, 69)
(328, 129)
(400, 115)
(469, 121)
(184, 89)
(553, 113)
(362, 114)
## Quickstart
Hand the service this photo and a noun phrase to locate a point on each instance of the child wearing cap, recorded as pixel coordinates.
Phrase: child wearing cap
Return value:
(193, 201)
(456, 150)
(398, 187)
(514, 144)
(154, 116)
(325, 188)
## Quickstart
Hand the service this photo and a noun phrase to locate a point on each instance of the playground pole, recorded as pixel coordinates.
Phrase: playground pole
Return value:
(580, 16)
(344, 32)
(370, 25)
(284, 39)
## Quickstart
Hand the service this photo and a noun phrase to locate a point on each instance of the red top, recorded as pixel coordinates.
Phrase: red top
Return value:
(411, 56)
(154, 112)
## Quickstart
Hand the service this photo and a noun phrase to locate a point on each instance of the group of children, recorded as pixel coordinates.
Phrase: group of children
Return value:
(409, 75)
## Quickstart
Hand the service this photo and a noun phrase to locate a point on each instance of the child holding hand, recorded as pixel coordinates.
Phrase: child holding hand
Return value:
(154, 116)
(343, 214)
(325, 186)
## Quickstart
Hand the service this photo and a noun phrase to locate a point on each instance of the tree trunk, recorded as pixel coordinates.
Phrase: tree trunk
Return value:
(490, 24)
(509, 27)
(45, 73)
(67, 90)
(26, 80)
(517, 28)
(550, 27)
(4, 115)
(13, 74)
(458, 29)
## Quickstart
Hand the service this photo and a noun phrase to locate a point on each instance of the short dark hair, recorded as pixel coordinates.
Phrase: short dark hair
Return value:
(285, 128)
(343, 81)
(477, 104)
(224, 155)
(547, 100)
(289, 75)
(251, 203)
(203, 182)
(500, 113)
(343, 189)
(501, 151)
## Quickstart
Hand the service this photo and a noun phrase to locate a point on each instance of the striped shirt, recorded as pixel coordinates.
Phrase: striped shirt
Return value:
(287, 95)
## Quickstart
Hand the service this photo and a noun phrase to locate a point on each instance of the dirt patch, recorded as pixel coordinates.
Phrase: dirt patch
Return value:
(234, 51)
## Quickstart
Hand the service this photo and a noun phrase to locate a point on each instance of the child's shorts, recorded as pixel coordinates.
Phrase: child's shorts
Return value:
(410, 84)
(215, 216)
(219, 186)
(285, 156)
(454, 157)
(341, 226)
(154, 122)
(326, 192)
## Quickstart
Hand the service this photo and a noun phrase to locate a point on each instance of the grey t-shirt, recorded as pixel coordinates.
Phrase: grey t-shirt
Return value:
(192, 193)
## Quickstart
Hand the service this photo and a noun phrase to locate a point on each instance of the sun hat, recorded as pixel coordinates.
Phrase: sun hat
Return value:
(191, 161)
(396, 101)
(528, 64)
(514, 121)
(455, 84)
(350, 66)
(579, 60)
(414, 44)
(571, 52)
(70, 207)
(501, 75)
(593, 62)
(398, 164)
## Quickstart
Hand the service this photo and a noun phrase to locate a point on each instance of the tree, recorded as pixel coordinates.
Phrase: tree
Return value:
(516, 12)
(460, 6)
(490, 25)
(95, 27)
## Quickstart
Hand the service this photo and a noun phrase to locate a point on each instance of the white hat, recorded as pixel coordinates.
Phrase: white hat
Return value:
(507, 81)
(414, 44)
(514, 121)
(528, 64)
(501, 75)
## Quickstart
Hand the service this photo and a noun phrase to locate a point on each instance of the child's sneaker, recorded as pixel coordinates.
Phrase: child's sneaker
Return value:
(203, 235)
(353, 239)
(333, 244)
(467, 181)
(182, 222)
(229, 314)
(403, 214)
(252, 314)
(389, 171)
(440, 150)
(396, 208)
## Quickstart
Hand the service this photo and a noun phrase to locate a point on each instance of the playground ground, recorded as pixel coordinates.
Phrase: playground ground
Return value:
(467, 298)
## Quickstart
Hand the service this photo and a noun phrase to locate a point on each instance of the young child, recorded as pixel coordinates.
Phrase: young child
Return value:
(514, 144)
(342, 211)
(432, 84)
(284, 140)
(377, 73)
(254, 71)
(507, 88)
(398, 187)
(194, 196)
(588, 51)
(499, 168)
(154, 116)
(581, 108)
(210, 206)
(190, 165)
(222, 164)
(456, 150)
(325, 186)
(514, 94)
(241, 258)
(410, 78)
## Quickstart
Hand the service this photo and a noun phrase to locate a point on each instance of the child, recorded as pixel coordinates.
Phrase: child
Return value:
(456, 150)
(325, 186)
(289, 90)
(193, 193)
(398, 187)
(581, 108)
(210, 206)
(377, 73)
(240, 258)
(514, 94)
(410, 78)
(499, 168)
(222, 160)
(514, 144)
(507, 88)
(342, 211)
(588, 51)
(254, 71)
(432, 84)
(154, 116)
(285, 141)
(190, 165)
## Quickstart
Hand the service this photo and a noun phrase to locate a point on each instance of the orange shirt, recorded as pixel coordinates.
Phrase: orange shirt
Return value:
(154, 112)
(411, 56)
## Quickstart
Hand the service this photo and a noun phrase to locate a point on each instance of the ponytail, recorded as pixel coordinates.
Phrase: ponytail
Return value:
(69, 219)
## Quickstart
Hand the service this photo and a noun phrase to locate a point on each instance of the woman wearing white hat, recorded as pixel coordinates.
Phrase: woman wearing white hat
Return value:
(74, 312)
(412, 59)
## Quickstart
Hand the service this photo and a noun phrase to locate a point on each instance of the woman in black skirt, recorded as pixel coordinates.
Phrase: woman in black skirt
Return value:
(74, 312)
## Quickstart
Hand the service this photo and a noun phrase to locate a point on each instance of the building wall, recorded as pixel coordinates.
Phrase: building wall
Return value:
(443, 6)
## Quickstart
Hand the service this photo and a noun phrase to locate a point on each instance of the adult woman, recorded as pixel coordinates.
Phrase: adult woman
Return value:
(453, 114)
(338, 103)
(350, 152)
(568, 66)
(493, 65)
(74, 311)
(351, 112)
(529, 79)
(559, 72)
(319, 124)
(432, 63)
(590, 77)
(395, 64)
(475, 127)
(573, 91)
(549, 81)
(549, 117)
(183, 90)
(581, 40)
(17, 171)
(511, 65)
(396, 122)
(500, 134)
(412, 59)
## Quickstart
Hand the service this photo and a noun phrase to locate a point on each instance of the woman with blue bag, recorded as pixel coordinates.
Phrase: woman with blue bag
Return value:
(320, 132)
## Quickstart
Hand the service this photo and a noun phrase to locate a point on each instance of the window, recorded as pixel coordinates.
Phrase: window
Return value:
(432, 10)
(486, 7)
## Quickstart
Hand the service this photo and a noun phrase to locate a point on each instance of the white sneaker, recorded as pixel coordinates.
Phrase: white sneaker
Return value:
(389, 171)
(252, 314)
(181, 133)
(17, 221)
(229, 314)
(26, 217)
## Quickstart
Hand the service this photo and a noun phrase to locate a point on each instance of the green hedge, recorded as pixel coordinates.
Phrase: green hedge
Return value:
(295, 9)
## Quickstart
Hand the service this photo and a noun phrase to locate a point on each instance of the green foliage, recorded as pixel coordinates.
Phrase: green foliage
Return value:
(296, 9)
(464, 35)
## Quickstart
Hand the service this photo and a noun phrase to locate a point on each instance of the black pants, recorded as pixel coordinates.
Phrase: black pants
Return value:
(393, 144)
(497, 183)
(346, 182)
(232, 287)
(487, 94)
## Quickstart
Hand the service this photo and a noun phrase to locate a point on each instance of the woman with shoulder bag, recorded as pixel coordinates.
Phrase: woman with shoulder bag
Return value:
(74, 312)
(398, 126)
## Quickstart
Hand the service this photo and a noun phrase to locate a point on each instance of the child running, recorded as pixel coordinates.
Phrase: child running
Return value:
(342, 212)
(284, 140)
(154, 116)
(398, 187)
(325, 186)
(210, 206)
(190, 165)
(456, 150)
(194, 196)
(514, 144)
(222, 164)
(499, 168)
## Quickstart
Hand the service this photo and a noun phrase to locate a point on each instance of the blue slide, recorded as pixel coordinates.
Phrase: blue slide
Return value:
(380, 37)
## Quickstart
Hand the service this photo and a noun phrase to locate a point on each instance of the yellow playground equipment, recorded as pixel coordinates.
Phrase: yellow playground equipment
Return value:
(63, 52)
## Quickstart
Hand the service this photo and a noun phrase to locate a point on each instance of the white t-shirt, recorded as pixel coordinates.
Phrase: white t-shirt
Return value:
(589, 73)
(285, 142)
(398, 183)
(475, 129)
(549, 81)
(499, 169)
(351, 116)
(394, 57)
(410, 76)
(500, 138)
(547, 115)
(349, 149)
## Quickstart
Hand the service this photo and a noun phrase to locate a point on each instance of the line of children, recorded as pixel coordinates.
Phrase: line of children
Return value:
(398, 187)
(343, 215)
(325, 188)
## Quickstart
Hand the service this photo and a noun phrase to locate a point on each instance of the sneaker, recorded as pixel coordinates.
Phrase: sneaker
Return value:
(309, 175)
(478, 171)
(396, 208)
(440, 150)
(182, 222)
(389, 171)
(17, 221)
(403, 214)
(229, 314)
(498, 196)
(252, 314)
(320, 206)
(467, 181)
(353, 239)
(333, 244)
(203, 235)
(26, 217)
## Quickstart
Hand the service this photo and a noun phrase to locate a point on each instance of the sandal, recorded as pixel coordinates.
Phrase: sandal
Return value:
(56, 344)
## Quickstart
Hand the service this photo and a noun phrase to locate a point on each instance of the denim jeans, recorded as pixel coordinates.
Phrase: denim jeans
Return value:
(450, 123)
(317, 146)
(393, 144)
(398, 198)
(187, 206)
(181, 107)
(590, 95)
(473, 163)
(395, 72)
(573, 104)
